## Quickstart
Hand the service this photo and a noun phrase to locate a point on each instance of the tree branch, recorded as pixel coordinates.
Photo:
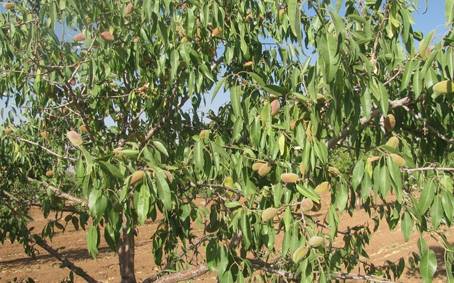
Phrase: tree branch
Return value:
(411, 170)
(260, 265)
(154, 129)
(59, 193)
(180, 276)
(363, 278)
(364, 120)
(46, 149)
(432, 129)
(66, 263)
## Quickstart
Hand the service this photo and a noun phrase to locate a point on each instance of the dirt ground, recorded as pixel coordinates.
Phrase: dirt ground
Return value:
(16, 266)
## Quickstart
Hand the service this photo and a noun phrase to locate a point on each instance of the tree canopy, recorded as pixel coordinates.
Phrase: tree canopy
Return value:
(330, 106)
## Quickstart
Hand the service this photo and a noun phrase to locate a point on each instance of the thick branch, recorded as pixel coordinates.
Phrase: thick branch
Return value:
(180, 276)
(66, 263)
(364, 121)
(61, 194)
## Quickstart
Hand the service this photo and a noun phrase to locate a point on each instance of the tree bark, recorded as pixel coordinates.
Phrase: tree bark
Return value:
(126, 256)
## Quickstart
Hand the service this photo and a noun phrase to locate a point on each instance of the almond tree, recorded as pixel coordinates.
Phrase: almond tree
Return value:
(337, 107)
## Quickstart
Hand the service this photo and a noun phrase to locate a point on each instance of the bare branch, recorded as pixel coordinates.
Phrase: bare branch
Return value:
(66, 263)
(59, 193)
(364, 120)
(411, 170)
(154, 129)
(363, 278)
(432, 129)
(260, 265)
(46, 149)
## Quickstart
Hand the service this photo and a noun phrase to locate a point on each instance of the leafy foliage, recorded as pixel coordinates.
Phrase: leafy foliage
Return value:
(328, 105)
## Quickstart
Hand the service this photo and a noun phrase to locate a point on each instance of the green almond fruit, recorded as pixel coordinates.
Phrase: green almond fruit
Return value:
(129, 153)
(397, 159)
(444, 87)
(393, 142)
(316, 241)
(289, 178)
(264, 170)
(136, 177)
(322, 188)
(75, 138)
(9, 6)
(275, 106)
(299, 253)
(256, 166)
(334, 171)
(307, 205)
(269, 213)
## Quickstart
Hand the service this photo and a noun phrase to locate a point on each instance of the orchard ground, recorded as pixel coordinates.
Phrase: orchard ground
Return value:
(16, 266)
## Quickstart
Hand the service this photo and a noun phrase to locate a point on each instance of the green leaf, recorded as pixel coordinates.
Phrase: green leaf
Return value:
(321, 150)
(417, 83)
(216, 88)
(328, 51)
(97, 203)
(257, 79)
(294, 18)
(275, 90)
(384, 98)
(235, 95)
(366, 186)
(164, 194)
(394, 171)
(384, 181)
(426, 198)
(358, 173)
(406, 226)
(92, 240)
(449, 11)
(198, 156)
(174, 61)
(407, 75)
(212, 253)
(436, 211)
(428, 265)
(338, 23)
(447, 204)
(143, 203)
(161, 148)
(424, 44)
(341, 197)
(308, 192)
(281, 142)
(111, 169)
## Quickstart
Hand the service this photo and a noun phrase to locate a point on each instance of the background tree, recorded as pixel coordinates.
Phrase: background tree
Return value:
(330, 104)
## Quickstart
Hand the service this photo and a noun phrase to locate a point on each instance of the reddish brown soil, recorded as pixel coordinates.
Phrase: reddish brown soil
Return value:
(385, 245)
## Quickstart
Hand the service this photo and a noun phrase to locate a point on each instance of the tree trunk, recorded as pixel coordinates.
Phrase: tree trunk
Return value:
(126, 256)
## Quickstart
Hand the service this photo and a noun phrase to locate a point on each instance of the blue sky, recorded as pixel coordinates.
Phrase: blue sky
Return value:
(434, 18)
